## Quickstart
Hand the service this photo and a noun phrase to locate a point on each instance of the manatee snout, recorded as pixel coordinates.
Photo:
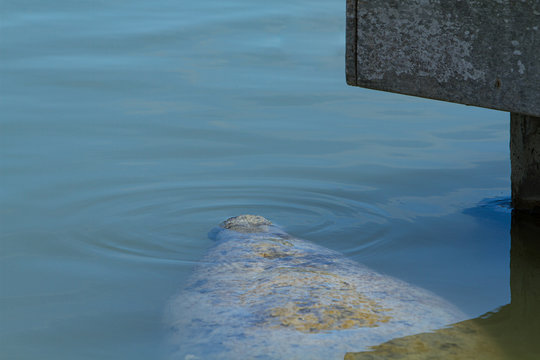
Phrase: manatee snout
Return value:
(243, 224)
(246, 224)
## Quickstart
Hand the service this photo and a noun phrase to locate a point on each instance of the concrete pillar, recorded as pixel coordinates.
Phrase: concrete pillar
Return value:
(525, 159)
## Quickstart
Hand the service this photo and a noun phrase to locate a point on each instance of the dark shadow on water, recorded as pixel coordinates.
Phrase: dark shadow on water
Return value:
(494, 204)
(509, 332)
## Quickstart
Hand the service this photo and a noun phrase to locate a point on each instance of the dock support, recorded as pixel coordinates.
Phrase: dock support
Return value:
(480, 53)
(525, 160)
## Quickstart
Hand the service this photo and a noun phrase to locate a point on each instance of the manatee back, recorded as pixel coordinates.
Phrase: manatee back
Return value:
(267, 295)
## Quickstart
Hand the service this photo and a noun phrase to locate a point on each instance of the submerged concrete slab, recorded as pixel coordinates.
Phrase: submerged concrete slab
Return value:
(506, 333)
(481, 53)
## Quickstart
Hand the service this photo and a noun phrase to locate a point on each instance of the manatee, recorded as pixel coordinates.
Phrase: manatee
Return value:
(260, 293)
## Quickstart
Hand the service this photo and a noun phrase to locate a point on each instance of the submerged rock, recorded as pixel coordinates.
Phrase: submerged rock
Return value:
(260, 293)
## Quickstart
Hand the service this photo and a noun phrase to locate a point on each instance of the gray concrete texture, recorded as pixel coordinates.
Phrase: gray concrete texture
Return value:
(482, 53)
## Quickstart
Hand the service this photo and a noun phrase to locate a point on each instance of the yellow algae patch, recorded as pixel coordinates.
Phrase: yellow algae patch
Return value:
(319, 317)
(272, 250)
(281, 241)
(310, 300)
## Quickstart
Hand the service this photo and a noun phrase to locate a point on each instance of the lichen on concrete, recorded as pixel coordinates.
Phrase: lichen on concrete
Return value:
(410, 41)
(473, 52)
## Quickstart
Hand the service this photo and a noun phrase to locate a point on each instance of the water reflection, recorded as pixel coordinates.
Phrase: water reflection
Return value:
(510, 332)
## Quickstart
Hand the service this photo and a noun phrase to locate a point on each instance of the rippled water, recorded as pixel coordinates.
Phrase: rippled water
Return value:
(130, 128)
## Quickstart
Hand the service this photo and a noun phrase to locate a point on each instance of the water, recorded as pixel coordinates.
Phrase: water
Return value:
(130, 128)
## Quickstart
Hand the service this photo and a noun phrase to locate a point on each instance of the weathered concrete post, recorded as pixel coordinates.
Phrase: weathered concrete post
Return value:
(481, 53)
(525, 158)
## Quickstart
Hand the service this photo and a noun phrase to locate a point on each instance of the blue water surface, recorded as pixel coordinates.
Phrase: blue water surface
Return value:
(130, 128)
